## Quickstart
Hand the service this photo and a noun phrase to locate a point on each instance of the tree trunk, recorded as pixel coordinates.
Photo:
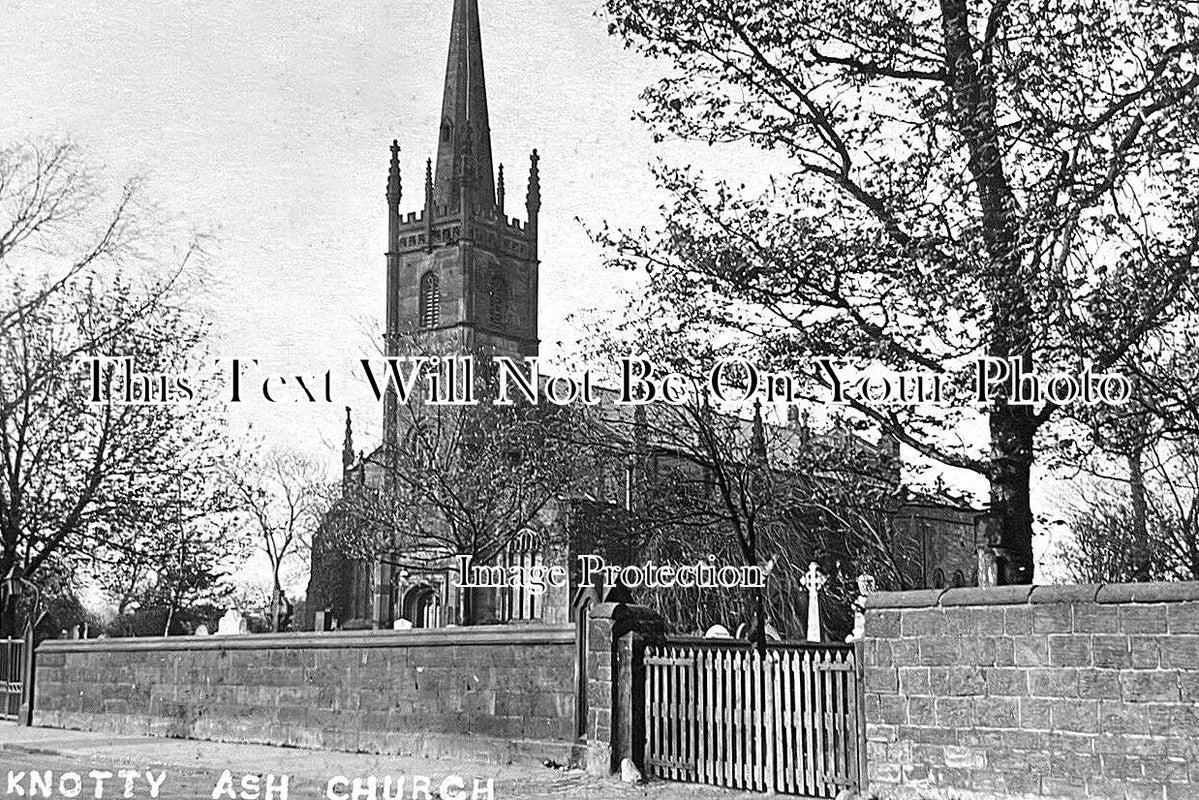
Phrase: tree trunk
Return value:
(276, 591)
(1013, 429)
(1140, 556)
(1012, 432)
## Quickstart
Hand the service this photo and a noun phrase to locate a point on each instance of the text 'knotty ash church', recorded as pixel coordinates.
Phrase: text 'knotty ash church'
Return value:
(462, 278)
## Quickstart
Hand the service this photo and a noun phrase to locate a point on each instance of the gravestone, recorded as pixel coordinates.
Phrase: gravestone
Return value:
(813, 580)
(718, 632)
(988, 567)
(866, 586)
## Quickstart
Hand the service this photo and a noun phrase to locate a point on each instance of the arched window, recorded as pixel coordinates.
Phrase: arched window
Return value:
(430, 301)
(518, 602)
(938, 578)
(497, 298)
(959, 579)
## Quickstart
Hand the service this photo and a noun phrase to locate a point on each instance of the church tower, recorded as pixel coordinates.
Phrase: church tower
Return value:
(461, 274)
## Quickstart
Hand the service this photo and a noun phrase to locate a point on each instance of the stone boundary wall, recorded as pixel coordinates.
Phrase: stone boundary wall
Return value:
(496, 692)
(1049, 691)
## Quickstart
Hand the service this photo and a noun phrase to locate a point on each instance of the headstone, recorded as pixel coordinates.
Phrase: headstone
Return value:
(717, 632)
(202, 630)
(988, 567)
(232, 624)
(402, 624)
(866, 586)
(813, 580)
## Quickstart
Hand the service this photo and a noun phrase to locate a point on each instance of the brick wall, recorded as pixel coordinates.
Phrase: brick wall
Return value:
(1054, 691)
(496, 692)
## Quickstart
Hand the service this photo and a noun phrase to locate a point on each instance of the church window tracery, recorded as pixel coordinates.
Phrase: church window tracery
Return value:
(497, 292)
(430, 301)
(518, 603)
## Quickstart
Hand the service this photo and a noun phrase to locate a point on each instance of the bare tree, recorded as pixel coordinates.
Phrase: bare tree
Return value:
(718, 486)
(1112, 540)
(281, 494)
(458, 481)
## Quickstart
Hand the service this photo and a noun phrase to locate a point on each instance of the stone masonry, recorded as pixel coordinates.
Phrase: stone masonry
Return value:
(1052, 691)
(617, 636)
(496, 693)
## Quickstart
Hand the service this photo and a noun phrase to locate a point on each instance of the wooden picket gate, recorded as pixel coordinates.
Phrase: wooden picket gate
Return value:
(12, 677)
(789, 721)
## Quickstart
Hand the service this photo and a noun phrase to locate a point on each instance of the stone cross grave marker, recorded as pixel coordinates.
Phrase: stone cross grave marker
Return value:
(813, 580)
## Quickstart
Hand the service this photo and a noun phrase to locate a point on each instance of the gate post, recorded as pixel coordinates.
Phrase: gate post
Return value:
(616, 638)
(25, 714)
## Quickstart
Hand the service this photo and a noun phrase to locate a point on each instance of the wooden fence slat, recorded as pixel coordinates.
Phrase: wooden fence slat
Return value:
(739, 710)
(838, 748)
(780, 721)
(860, 716)
(655, 703)
(701, 727)
(694, 697)
(721, 732)
(731, 710)
(672, 726)
(746, 707)
(772, 732)
(688, 703)
(822, 732)
(794, 744)
(650, 716)
(809, 725)
(759, 709)
(780, 716)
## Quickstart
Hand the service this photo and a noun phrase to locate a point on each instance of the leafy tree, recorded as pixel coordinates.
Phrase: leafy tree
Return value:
(962, 178)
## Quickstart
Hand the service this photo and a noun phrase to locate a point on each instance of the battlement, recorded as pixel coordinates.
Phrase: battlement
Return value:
(491, 230)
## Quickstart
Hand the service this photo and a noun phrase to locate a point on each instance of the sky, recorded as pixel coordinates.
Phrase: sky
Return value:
(267, 126)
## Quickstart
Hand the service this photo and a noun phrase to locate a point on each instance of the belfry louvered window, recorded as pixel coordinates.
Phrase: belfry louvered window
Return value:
(497, 301)
(430, 301)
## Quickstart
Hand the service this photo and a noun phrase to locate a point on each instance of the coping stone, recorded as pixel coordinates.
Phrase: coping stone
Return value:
(989, 596)
(1064, 593)
(918, 598)
(1156, 592)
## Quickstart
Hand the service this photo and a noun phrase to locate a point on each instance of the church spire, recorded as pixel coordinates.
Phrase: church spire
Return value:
(347, 446)
(464, 124)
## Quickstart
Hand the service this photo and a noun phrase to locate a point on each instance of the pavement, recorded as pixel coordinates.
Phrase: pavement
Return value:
(198, 770)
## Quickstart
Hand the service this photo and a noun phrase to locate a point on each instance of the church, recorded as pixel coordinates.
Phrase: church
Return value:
(462, 278)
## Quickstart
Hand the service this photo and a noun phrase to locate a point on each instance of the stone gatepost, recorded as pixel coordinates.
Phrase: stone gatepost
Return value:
(617, 635)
